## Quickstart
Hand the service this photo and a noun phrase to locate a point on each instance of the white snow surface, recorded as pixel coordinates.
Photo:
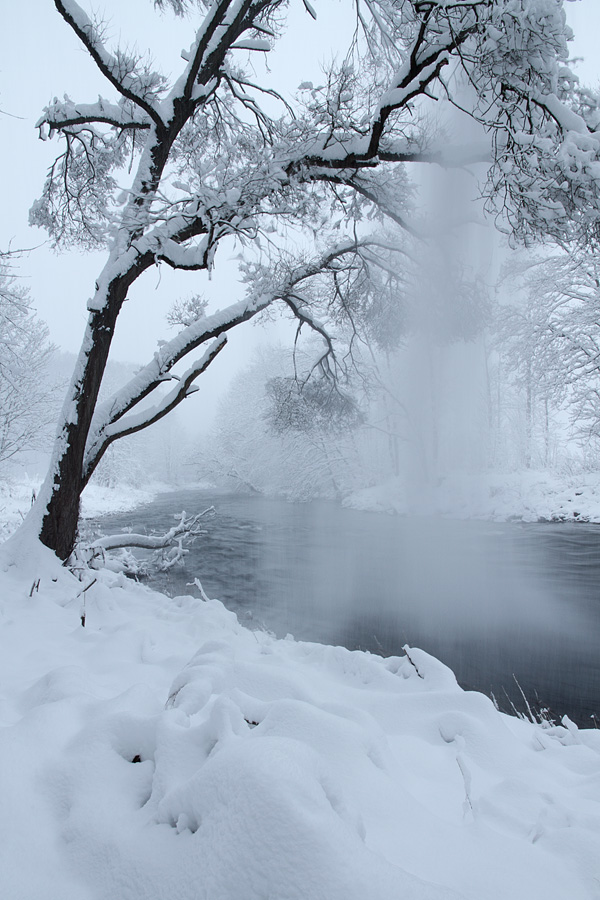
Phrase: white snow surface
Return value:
(528, 496)
(16, 497)
(164, 751)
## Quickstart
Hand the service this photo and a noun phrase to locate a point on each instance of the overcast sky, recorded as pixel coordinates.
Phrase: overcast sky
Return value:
(40, 58)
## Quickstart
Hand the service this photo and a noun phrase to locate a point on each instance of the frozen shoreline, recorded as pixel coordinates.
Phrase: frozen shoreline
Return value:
(529, 496)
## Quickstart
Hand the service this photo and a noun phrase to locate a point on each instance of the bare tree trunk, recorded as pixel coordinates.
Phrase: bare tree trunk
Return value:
(64, 483)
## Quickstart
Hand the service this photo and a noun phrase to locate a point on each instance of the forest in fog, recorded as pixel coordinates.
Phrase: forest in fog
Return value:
(494, 369)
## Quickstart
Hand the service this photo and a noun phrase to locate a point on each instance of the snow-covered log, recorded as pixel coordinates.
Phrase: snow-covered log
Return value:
(168, 549)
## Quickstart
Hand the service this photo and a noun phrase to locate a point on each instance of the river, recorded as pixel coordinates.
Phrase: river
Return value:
(513, 609)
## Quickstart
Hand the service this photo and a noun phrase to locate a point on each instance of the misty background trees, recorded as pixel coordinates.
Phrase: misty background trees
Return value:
(513, 385)
(26, 408)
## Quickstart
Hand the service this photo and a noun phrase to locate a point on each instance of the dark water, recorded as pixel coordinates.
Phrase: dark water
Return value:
(508, 607)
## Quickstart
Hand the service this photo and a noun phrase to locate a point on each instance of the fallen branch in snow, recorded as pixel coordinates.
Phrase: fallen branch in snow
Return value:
(168, 548)
(185, 527)
(406, 648)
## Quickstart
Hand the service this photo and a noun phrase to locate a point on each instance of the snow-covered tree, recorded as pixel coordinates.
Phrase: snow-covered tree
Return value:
(271, 436)
(551, 340)
(212, 160)
(25, 396)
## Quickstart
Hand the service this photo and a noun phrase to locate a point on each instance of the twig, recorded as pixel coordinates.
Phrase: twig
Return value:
(82, 593)
(532, 717)
(203, 594)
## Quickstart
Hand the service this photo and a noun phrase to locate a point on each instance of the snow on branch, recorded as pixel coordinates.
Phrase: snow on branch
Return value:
(223, 25)
(128, 83)
(113, 418)
(252, 44)
(187, 525)
(185, 258)
(117, 424)
(66, 114)
(168, 548)
(431, 50)
(171, 352)
(185, 386)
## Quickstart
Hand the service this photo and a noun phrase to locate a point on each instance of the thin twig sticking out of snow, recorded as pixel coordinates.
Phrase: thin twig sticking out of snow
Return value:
(82, 594)
(530, 712)
(196, 582)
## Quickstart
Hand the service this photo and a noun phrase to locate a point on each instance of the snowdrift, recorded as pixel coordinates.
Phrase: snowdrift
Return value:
(164, 751)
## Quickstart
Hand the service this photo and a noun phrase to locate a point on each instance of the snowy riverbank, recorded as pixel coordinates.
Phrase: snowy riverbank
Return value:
(16, 496)
(528, 496)
(165, 751)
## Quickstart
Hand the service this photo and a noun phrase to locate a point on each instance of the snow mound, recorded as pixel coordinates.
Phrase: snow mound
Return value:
(165, 751)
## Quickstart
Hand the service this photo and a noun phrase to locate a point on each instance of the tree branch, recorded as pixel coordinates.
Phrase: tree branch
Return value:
(85, 30)
(157, 371)
(131, 424)
(172, 541)
(203, 38)
(60, 115)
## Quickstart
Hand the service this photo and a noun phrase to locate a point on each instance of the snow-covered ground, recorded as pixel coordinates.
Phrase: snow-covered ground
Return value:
(165, 751)
(16, 496)
(529, 496)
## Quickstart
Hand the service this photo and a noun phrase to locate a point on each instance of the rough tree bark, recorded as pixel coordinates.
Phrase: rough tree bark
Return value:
(59, 525)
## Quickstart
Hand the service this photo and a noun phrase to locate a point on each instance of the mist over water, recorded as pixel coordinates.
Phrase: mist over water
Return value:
(491, 601)
(513, 609)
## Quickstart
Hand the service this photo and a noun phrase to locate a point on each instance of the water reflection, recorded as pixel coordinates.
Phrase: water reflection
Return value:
(492, 601)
